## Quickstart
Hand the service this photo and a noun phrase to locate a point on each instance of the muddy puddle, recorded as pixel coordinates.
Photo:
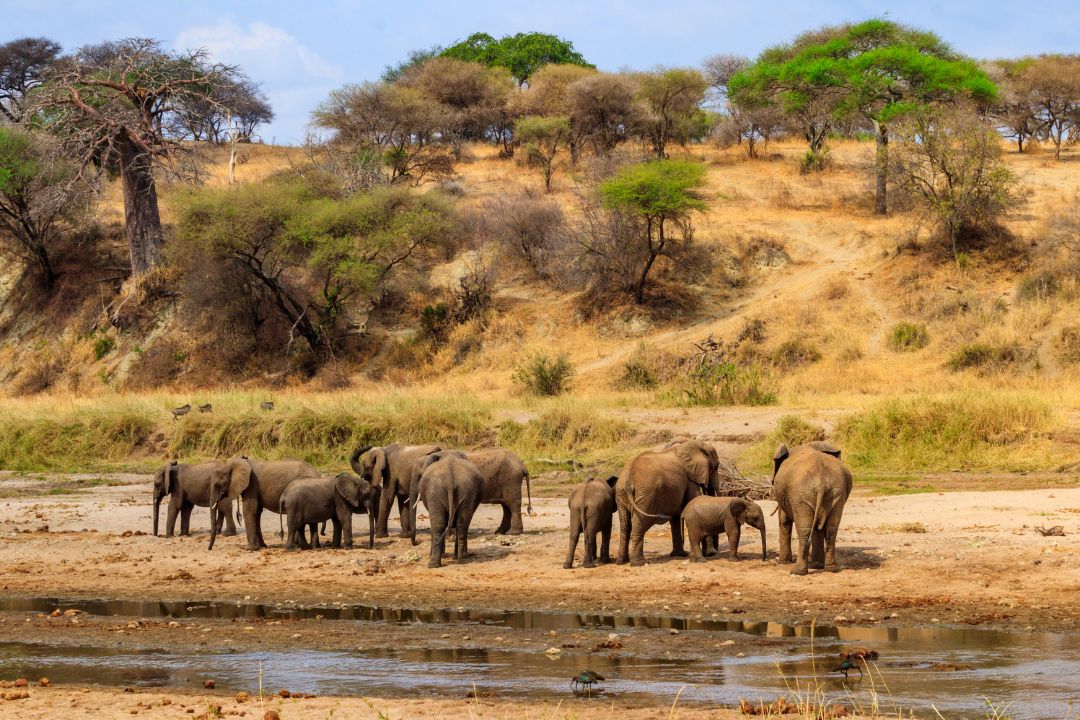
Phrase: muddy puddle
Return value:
(955, 670)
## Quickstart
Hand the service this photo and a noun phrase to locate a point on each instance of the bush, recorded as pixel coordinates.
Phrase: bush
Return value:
(908, 337)
(836, 288)
(647, 368)
(531, 229)
(1067, 345)
(565, 429)
(814, 161)
(986, 357)
(103, 346)
(966, 432)
(723, 383)
(545, 376)
(795, 353)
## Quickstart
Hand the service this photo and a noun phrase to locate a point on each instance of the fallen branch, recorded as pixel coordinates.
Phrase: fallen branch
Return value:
(734, 484)
(1055, 531)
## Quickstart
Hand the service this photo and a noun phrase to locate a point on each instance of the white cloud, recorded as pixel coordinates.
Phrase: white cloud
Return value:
(294, 77)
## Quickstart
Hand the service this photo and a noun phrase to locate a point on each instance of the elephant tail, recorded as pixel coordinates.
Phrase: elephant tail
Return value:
(528, 490)
(639, 511)
(820, 511)
(280, 522)
(451, 516)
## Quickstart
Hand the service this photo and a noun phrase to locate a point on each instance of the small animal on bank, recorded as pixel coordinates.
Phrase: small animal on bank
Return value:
(592, 505)
(706, 516)
(180, 411)
(207, 408)
(267, 405)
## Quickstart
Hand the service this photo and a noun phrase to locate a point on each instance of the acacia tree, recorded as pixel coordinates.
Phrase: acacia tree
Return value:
(603, 109)
(22, 64)
(240, 102)
(662, 195)
(543, 137)
(1052, 86)
(672, 98)
(548, 95)
(523, 54)
(118, 102)
(40, 200)
(877, 69)
(1014, 110)
(752, 115)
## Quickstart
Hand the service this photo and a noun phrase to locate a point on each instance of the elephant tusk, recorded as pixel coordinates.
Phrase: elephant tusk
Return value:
(213, 506)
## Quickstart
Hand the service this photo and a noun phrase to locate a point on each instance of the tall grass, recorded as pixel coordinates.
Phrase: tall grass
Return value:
(962, 431)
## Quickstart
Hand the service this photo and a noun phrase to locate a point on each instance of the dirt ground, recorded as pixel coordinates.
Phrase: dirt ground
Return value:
(961, 558)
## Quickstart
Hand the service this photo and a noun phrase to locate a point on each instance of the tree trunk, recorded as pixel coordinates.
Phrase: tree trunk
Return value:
(881, 205)
(142, 220)
(1020, 143)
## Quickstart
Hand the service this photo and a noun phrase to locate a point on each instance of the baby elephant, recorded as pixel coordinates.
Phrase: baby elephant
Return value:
(592, 503)
(705, 516)
(308, 501)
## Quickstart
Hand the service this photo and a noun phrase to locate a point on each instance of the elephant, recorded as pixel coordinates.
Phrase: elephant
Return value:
(810, 486)
(309, 501)
(187, 485)
(390, 467)
(450, 488)
(592, 503)
(655, 486)
(503, 473)
(706, 516)
(258, 484)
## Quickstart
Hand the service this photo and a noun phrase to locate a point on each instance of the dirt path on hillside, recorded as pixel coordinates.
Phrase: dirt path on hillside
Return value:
(987, 564)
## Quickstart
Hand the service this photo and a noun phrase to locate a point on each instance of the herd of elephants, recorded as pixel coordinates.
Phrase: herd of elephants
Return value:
(677, 483)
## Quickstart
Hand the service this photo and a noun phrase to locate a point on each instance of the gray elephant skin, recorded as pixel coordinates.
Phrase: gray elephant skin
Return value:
(503, 474)
(655, 486)
(592, 504)
(450, 488)
(257, 484)
(309, 501)
(390, 467)
(187, 485)
(707, 516)
(810, 486)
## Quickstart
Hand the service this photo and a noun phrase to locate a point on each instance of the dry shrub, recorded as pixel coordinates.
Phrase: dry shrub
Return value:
(531, 229)
(159, 365)
(987, 357)
(760, 251)
(648, 368)
(753, 331)
(908, 337)
(794, 353)
(1067, 345)
(545, 376)
(40, 374)
(835, 288)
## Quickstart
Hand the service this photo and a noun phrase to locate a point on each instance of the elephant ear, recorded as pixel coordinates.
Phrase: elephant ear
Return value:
(778, 458)
(738, 508)
(612, 480)
(239, 477)
(378, 474)
(826, 447)
(348, 488)
(694, 458)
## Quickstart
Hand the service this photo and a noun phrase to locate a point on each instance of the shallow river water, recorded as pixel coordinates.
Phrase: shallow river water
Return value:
(1036, 675)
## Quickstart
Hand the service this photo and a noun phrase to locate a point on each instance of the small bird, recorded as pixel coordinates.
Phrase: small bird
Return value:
(585, 679)
(847, 666)
(207, 408)
(181, 411)
(267, 405)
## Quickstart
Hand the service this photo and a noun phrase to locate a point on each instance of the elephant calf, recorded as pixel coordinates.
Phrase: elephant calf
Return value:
(592, 503)
(450, 487)
(706, 516)
(309, 501)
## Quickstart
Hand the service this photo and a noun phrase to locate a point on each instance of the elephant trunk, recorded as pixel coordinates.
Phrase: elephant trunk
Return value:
(371, 526)
(762, 541)
(214, 512)
(157, 511)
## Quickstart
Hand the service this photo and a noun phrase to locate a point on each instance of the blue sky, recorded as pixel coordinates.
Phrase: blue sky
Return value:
(302, 49)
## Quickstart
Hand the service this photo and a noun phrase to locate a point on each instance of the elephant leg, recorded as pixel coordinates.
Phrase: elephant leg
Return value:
(290, 531)
(504, 524)
(694, 535)
(313, 528)
(677, 549)
(805, 528)
(170, 520)
(438, 519)
(817, 549)
(637, 542)
(386, 501)
(185, 519)
(625, 529)
(251, 529)
(734, 534)
(230, 522)
(516, 526)
(343, 530)
(217, 519)
(832, 528)
(575, 533)
(464, 520)
(590, 543)
(403, 516)
(784, 554)
(605, 544)
(301, 535)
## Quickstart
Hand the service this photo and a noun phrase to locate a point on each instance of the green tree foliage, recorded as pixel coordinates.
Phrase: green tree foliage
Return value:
(523, 54)
(662, 195)
(672, 101)
(40, 200)
(543, 137)
(22, 68)
(393, 73)
(877, 69)
(313, 257)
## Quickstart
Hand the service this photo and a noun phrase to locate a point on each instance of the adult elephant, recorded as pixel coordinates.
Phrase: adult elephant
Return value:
(187, 485)
(655, 486)
(390, 467)
(810, 487)
(503, 474)
(257, 484)
(450, 488)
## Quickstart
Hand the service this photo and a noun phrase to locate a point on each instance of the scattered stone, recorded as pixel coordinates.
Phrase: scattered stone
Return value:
(241, 697)
(209, 684)
(553, 651)
(271, 715)
(15, 695)
(607, 645)
(166, 701)
(21, 683)
(44, 682)
(950, 667)
(284, 693)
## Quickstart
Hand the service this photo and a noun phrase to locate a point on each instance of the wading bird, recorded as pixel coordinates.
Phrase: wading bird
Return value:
(847, 666)
(585, 679)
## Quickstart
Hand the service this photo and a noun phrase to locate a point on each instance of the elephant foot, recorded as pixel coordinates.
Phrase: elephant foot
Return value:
(832, 568)
(588, 565)
(733, 559)
(568, 565)
(637, 562)
(252, 548)
(697, 558)
(515, 531)
(604, 560)
(381, 534)
(799, 571)
(785, 560)
(679, 553)
(434, 564)
(229, 533)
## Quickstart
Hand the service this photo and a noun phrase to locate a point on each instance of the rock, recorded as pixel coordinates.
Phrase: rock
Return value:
(209, 684)
(165, 701)
(21, 682)
(15, 695)
(271, 715)
(284, 693)
(44, 682)
(553, 651)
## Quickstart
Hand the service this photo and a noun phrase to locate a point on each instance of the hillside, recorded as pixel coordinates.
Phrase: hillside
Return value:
(800, 259)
